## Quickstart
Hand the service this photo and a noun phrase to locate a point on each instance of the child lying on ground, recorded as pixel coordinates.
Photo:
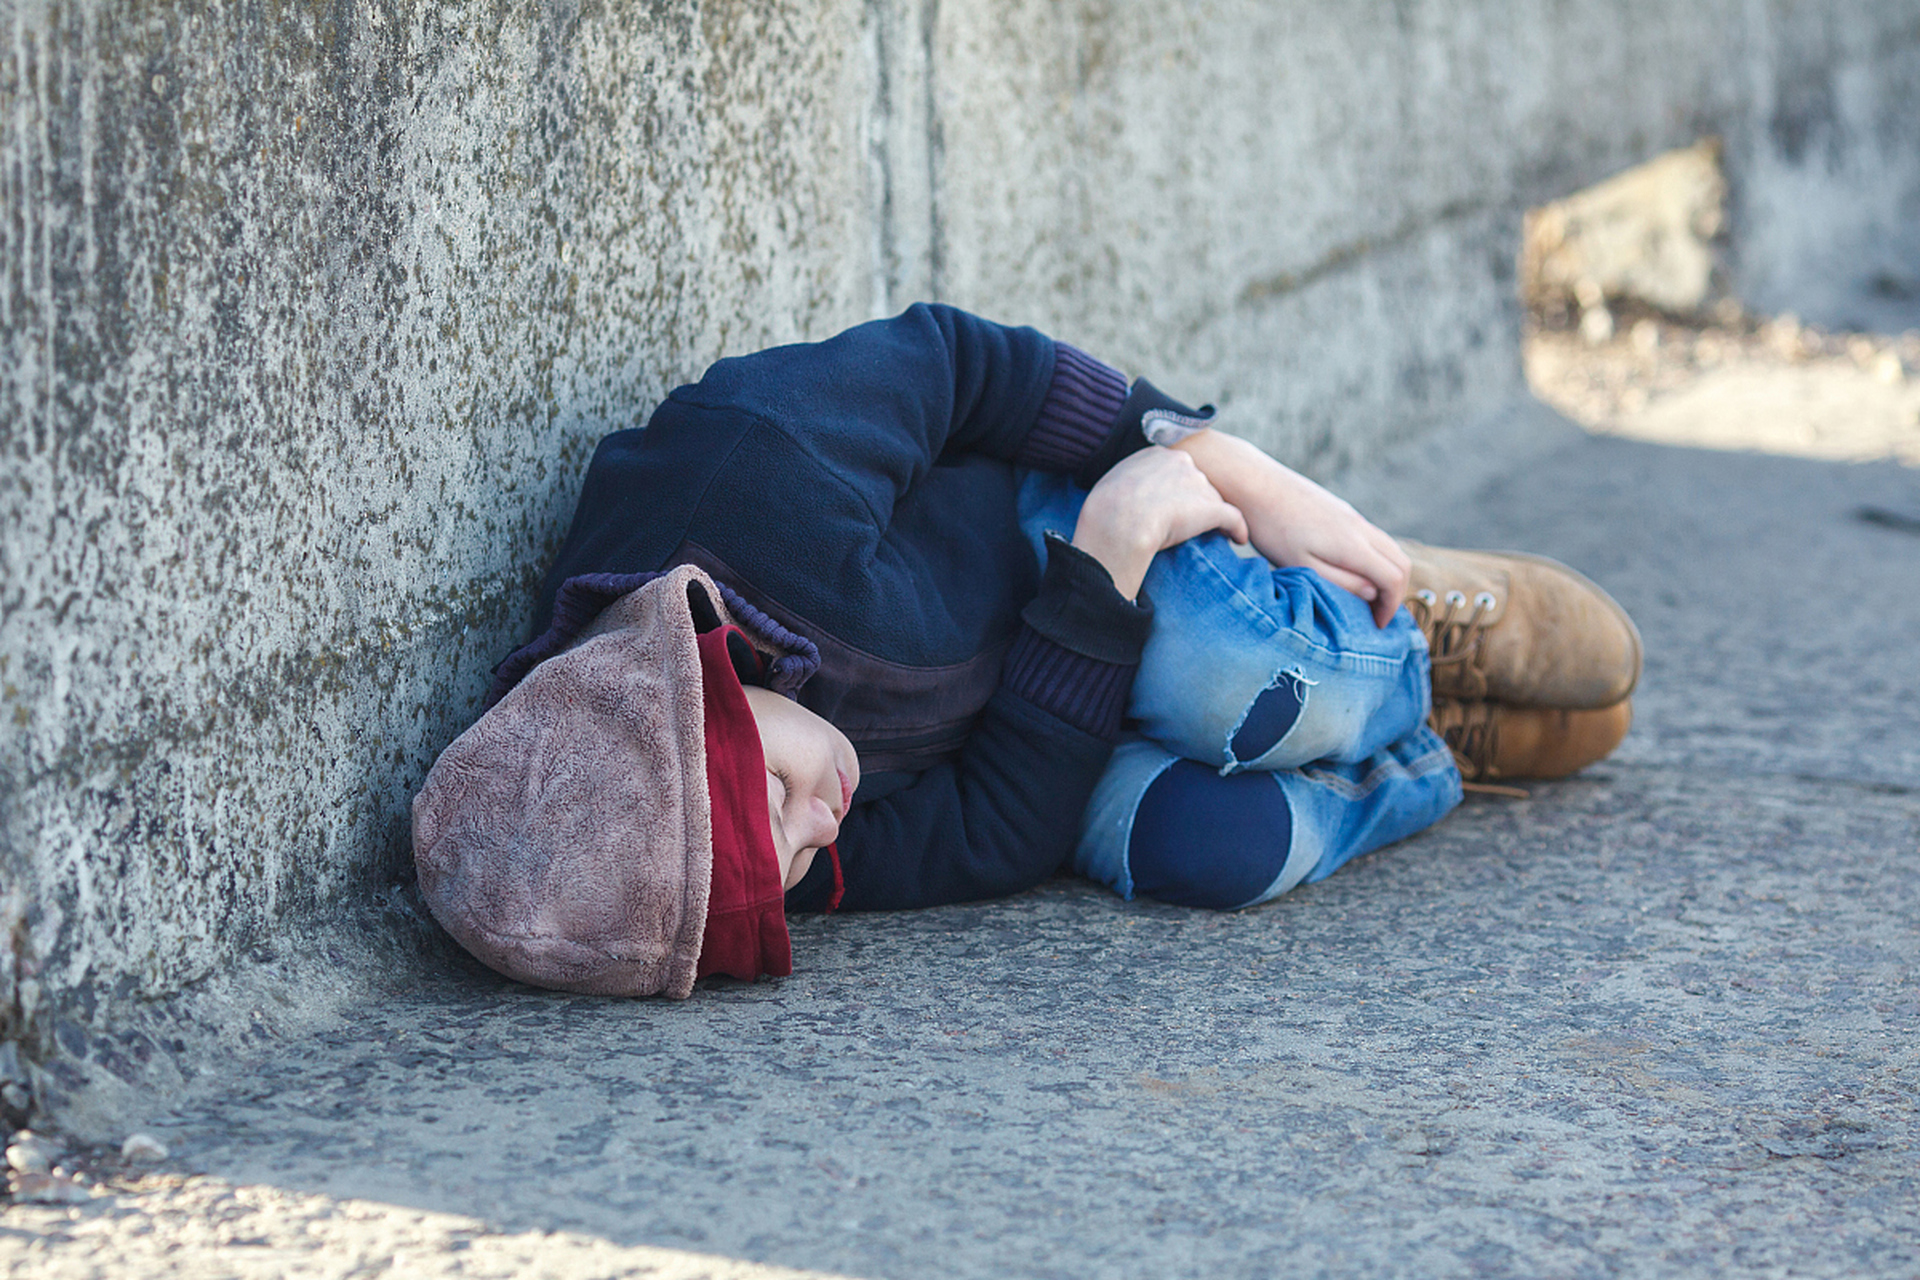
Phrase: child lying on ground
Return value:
(935, 609)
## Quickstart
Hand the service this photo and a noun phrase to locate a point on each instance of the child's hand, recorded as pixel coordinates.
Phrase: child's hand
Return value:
(1294, 521)
(1150, 500)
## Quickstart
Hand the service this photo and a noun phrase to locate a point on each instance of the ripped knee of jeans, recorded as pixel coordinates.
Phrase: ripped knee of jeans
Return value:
(1268, 718)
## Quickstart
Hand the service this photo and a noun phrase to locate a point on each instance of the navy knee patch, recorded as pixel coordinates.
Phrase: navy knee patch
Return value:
(1268, 719)
(1201, 840)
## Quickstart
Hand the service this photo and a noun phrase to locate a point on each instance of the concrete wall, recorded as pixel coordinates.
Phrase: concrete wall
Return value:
(1827, 206)
(312, 313)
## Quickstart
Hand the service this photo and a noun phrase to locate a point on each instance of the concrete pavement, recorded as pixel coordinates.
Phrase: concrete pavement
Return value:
(1655, 1020)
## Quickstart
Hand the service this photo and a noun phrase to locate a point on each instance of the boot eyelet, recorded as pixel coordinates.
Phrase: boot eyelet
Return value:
(1456, 598)
(1485, 600)
(1426, 597)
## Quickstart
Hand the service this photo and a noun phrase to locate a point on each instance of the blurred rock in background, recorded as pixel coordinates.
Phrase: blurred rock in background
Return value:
(1631, 331)
(1650, 235)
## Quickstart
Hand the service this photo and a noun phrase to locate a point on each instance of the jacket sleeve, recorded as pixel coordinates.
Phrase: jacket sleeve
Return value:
(882, 402)
(840, 432)
(1005, 813)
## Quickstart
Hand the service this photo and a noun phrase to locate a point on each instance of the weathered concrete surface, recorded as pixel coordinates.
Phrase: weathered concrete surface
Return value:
(1312, 210)
(311, 315)
(1826, 211)
(1653, 1021)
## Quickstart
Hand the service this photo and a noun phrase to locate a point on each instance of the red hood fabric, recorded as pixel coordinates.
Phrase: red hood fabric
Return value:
(746, 933)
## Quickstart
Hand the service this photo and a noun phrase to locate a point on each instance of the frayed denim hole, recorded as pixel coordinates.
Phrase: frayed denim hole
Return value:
(1268, 719)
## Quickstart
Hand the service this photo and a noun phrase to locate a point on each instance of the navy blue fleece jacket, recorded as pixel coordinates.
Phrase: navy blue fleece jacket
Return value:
(863, 492)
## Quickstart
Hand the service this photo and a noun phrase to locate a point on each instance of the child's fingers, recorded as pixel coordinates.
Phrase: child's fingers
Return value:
(1385, 573)
(1385, 582)
(1386, 544)
(1391, 577)
(1345, 579)
(1394, 555)
(1384, 597)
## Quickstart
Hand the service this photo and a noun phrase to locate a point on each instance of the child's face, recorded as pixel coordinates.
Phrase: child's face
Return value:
(811, 774)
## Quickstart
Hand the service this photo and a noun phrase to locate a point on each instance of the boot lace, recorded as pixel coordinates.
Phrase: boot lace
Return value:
(1471, 731)
(1453, 633)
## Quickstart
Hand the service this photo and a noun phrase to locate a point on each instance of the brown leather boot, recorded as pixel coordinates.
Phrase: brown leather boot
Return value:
(1521, 629)
(1492, 741)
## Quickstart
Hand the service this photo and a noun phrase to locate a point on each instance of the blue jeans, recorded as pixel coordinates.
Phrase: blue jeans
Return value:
(1358, 767)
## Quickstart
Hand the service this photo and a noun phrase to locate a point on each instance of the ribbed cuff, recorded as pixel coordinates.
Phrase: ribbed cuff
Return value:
(1077, 416)
(1087, 693)
(1125, 437)
(1079, 608)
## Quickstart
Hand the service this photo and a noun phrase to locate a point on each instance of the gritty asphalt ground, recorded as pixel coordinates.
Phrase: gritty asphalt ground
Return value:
(1655, 1020)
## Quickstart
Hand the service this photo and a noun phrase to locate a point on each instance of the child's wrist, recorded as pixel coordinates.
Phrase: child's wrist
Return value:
(1227, 461)
(1121, 546)
(1124, 559)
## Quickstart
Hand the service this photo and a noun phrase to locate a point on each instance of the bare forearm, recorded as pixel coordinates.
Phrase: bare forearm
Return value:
(1247, 476)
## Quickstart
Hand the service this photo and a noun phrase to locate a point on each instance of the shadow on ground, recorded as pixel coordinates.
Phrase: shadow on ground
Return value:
(1654, 1020)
